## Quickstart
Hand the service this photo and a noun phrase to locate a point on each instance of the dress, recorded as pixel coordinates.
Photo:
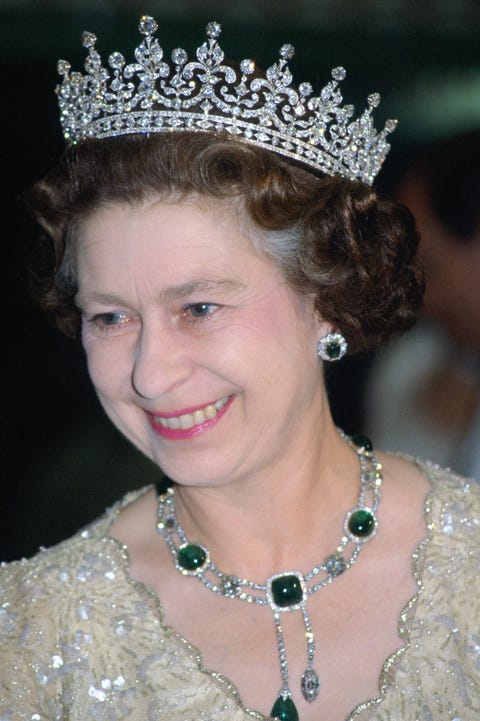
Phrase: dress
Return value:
(79, 640)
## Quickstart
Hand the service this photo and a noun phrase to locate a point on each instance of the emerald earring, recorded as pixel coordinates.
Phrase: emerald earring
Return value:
(332, 347)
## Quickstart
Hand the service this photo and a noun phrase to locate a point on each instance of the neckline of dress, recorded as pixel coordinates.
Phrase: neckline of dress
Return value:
(404, 621)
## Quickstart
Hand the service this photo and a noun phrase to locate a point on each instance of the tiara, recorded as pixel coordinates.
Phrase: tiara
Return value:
(210, 95)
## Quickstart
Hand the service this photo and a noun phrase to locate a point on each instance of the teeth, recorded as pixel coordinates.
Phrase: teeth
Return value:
(189, 420)
(210, 411)
(186, 421)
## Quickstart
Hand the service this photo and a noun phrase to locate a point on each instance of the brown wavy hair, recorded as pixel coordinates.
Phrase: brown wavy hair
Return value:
(355, 251)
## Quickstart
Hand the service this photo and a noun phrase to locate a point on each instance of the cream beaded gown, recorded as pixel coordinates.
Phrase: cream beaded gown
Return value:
(79, 640)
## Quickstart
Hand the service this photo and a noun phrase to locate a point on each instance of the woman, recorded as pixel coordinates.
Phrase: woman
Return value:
(208, 273)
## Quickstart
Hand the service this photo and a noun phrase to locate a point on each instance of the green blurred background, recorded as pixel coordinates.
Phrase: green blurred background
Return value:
(62, 463)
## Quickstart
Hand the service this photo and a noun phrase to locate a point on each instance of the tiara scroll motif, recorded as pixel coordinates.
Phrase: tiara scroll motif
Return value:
(208, 94)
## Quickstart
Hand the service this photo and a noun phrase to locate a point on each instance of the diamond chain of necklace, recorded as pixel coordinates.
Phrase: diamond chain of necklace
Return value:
(288, 590)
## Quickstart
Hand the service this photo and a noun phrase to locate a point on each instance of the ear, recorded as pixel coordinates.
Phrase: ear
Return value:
(323, 327)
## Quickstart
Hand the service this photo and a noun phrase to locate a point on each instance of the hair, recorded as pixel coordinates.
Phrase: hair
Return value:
(354, 251)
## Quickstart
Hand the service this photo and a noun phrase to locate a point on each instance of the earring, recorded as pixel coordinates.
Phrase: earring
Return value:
(332, 347)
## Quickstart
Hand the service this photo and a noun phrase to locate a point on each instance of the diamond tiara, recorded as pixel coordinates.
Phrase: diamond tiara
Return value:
(210, 95)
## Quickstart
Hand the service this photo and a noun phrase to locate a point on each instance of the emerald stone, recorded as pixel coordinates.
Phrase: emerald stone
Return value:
(286, 591)
(361, 523)
(191, 557)
(284, 709)
(362, 442)
(333, 349)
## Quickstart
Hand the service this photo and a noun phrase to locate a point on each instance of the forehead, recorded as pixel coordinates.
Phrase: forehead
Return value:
(191, 216)
(181, 239)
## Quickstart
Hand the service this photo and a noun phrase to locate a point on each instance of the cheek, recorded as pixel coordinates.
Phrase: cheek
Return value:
(275, 345)
(289, 327)
(108, 363)
(282, 317)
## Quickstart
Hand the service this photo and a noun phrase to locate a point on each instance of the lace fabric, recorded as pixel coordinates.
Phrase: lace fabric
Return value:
(80, 640)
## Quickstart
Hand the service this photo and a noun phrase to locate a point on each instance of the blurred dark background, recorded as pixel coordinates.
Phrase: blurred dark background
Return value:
(62, 462)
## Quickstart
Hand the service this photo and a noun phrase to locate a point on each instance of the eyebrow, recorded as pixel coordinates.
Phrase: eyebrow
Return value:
(175, 292)
(202, 285)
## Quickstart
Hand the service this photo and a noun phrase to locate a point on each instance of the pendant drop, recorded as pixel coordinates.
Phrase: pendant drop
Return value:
(284, 709)
(310, 685)
(289, 590)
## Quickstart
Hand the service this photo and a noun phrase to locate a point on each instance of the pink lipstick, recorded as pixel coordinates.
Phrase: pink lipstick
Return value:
(189, 422)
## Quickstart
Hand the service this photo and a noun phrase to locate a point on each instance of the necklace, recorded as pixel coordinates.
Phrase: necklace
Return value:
(288, 590)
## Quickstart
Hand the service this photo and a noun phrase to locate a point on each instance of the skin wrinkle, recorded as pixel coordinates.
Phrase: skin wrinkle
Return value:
(235, 316)
(273, 478)
(204, 285)
(268, 487)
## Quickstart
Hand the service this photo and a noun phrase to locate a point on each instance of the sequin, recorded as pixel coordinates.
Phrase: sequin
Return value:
(97, 693)
(78, 639)
(473, 647)
(85, 611)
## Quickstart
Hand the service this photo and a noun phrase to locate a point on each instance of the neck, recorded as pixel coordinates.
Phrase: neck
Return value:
(288, 517)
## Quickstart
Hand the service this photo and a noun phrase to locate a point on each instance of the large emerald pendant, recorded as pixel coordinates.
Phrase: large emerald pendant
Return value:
(284, 709)
(191, 558)
(286, 591)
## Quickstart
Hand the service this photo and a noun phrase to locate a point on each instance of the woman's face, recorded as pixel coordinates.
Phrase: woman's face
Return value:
(199, 351)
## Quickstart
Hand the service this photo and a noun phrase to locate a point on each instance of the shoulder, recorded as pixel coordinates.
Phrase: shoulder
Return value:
(447, 493)
(76, 630)
(443, 509)
(439, 624)
(37, 588)
(453, 519)
(446, 563)
(40, 599)
(447, 610)
(72, 587)
(453, 503)
(91, 554)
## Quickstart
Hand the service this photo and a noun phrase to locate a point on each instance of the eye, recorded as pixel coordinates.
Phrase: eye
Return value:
(109, 322)
(200, 310)
(109, 319)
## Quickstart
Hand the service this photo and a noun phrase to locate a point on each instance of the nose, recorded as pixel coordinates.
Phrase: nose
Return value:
(161, 362)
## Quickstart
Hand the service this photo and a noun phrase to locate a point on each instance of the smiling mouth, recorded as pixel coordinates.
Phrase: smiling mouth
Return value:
(196, 418)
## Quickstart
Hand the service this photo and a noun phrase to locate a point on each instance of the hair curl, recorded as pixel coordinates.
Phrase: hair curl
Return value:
(354, 251)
